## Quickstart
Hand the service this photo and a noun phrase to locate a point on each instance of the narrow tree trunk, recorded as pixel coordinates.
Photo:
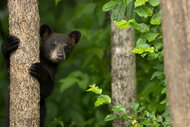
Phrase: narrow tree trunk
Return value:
(123, 69)
(24, 89)
(176, 33)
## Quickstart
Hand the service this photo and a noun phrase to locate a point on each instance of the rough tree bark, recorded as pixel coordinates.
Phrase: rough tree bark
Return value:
(24, 89)
(123, 69)
(176, 37)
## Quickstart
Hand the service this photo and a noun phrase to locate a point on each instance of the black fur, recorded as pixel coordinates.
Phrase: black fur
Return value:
(52, 43)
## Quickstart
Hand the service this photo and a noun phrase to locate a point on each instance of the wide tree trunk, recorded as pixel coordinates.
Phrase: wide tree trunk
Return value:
(176, 37)
(123, 69)
(24, 89)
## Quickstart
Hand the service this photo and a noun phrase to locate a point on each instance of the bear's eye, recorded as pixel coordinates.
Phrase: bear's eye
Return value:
(53, 45)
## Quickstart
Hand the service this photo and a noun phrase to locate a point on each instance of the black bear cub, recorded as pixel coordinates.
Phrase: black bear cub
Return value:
(54, 49)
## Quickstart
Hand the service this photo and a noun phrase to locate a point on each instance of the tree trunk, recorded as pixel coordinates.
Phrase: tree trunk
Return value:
(24, 89)
(176, 33)
(123, 69)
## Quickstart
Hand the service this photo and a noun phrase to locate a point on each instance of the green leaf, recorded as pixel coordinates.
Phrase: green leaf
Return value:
(134, 106)
(122, 24)
(165, 101)
(159, 119)
(76, 77)
(111, 117)
(152, 36)
(143, 46)
(141, 109)
(140, 2)
(137, 50)
(154, 2)
(152, 56)
(144, 11)
(103, 99)
(130, 13)
(158, 45)
(95, 89)
(143, 27)
(126, 2)
(119, 108)
(156, 19)
(119, 12)
(109, 5)
(151, 49)
(164, 90)
(146, 122)
(158, 74)
(67, 82)
(141, 41)
(134, 24)
(125, 116)
(147, 114)
(56, 2)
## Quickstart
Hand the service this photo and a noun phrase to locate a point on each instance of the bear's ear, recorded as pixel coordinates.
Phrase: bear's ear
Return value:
(45, 31)
(75, 36)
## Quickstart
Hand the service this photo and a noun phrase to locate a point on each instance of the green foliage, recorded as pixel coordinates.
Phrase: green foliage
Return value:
(154, 2)
(56, 2)
(122, 24)
(151, 86)
(108, 6)
(140, 118)
(156, 19)
(119, 12)
(76, 77)
(140, 2)
(119, 108)
(89, 62)
(111, 117)
(95, 89)
(144, 11)
(127, 2)
(103, 99)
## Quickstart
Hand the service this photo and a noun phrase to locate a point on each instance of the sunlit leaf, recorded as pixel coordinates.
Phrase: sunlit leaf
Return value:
(102, 99)
(157, 74)
(95, 89)
(140, 2)
(144, 11)
(127, 2)
(109, 5)
(122, 24)
(134, 106)
(152, 56)
(152, 36)
(119, 108)
(156, 19)
(111, 117)
(119, 12)
(154, 2)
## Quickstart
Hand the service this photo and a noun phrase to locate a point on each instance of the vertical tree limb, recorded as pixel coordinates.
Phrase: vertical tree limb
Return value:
(176, 33)
(24, 89)
(123, 69)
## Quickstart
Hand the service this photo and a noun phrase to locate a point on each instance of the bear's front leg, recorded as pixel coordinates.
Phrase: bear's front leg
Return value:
(8, 46)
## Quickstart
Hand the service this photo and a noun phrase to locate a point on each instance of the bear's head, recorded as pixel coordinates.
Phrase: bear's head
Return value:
(57, 47)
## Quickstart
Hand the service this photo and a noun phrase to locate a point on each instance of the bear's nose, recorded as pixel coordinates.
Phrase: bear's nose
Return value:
(60, 56)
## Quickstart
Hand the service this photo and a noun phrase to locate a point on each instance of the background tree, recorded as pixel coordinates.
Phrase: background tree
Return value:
(176, 33)
(24, 90)
(123, 69)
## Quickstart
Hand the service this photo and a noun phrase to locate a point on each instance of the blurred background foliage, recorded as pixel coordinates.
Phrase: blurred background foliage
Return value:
(89, 63)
